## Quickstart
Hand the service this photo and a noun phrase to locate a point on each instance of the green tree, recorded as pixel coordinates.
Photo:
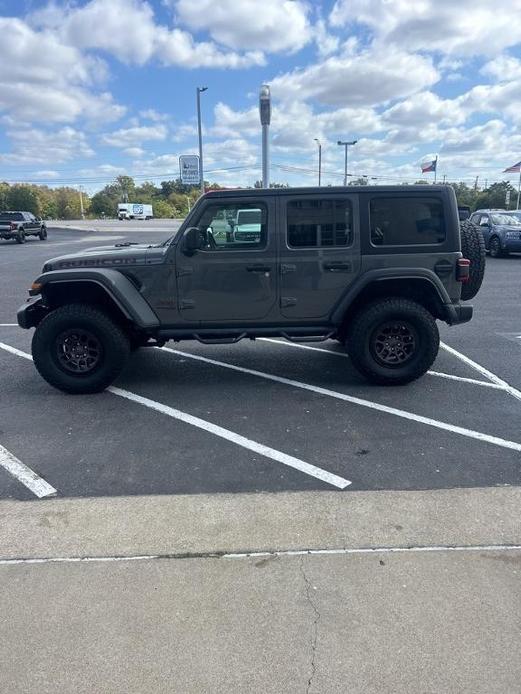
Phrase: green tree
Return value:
(23, 197)
(103, 205)
(4, 196)
(162, 209)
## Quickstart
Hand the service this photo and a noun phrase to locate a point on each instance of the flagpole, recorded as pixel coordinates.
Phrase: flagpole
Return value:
(435, 168)
(518, 189)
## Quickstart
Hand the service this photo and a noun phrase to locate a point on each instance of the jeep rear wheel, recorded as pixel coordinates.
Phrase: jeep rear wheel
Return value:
(393, 341)
(79, 349)
(473, 248)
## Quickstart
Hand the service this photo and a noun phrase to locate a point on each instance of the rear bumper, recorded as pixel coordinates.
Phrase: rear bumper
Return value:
(458, 313)
(31, 313)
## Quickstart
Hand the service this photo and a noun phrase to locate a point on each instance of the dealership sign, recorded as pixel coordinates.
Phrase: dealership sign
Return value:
(189, 168)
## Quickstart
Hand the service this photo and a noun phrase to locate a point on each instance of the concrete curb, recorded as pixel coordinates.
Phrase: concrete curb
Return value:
(221, 523)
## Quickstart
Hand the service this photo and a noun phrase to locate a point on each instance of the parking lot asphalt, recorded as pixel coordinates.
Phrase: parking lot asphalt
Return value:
(265, 415)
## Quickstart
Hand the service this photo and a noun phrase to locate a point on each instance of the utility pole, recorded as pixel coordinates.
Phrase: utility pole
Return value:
(199, 132)
(319, 160)
(81, 202)
(265, 119)
(346, 145)
(444, 177)
(518, 189)
(476, 183)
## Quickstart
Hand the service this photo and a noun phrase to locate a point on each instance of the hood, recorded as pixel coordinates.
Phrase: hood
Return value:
(108, 256)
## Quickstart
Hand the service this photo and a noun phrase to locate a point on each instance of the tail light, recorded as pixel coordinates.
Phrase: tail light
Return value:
(463, 270)
(12, 225)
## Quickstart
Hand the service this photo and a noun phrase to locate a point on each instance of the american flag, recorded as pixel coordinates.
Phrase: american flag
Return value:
(514, 169)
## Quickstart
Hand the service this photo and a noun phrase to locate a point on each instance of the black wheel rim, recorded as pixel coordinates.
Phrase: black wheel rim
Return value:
(494, 247)
(394, 343)
(78, 351)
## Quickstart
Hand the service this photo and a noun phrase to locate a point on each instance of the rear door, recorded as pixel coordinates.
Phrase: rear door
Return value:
(319, 246)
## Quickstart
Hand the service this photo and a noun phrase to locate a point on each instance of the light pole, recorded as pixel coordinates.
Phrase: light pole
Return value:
(346, 145)
(319, 160)
(199, 132)
(81, 202)
(265, 119)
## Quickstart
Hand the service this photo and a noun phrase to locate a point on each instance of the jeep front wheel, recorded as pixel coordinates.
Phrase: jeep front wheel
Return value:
(79, 349)
(393, 341)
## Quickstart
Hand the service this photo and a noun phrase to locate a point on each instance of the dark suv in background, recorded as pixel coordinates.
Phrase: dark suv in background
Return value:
(501, 231)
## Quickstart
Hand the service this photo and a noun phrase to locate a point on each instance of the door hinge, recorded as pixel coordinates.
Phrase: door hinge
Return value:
(186, 303)
(286, 301)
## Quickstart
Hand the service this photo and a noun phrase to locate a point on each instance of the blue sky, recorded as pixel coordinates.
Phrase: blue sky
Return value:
(94, 88)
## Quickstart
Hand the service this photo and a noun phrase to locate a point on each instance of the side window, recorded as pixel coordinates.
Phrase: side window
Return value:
(319, 223)
(484, 220)
(402, 221)
(234, 226)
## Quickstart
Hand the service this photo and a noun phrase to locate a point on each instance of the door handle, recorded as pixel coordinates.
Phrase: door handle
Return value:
(335, 266)
(258, 268)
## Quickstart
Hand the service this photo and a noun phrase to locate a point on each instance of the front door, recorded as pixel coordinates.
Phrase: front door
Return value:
(233, 277)
(319, 253)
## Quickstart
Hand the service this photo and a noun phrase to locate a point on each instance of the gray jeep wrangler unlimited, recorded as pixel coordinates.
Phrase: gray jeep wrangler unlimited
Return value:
(372, 267)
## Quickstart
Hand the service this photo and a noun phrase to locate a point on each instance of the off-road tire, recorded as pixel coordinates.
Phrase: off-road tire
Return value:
(473, 248)
(20, 236)
(494, 247)
(42, 235)
(363, 332)
(114, 348)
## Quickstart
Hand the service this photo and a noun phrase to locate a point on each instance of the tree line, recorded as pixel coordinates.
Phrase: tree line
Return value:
(174, 199)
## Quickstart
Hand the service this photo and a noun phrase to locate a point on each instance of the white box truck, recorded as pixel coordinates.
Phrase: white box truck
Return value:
(134, 210)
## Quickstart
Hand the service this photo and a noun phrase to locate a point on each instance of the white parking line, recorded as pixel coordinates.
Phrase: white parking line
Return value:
(445, 426)
(474, 381)
(233, 437)
(484, 372)
(36, 484)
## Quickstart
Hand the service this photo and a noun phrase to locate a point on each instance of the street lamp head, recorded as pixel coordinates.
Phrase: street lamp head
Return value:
(202, 89)
(353, 142)
(265, 104)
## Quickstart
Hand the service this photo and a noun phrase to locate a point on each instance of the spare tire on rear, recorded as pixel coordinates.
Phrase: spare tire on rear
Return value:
(473, 248)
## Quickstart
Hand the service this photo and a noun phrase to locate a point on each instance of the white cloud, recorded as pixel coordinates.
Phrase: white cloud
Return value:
(502, 68)
(152, 114)
(367, 78)
(326, 43)
(129, 137)
(127, 30)
(42, 79)
(273, 26)
(135, 152)
(35, 146)
(466, 27)
(424, 108)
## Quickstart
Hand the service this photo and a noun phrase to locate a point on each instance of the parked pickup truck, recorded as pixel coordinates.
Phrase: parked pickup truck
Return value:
(18, 225)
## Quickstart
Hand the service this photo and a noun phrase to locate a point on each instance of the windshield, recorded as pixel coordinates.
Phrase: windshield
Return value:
(249, 217)
(505, 219)
(11, 215)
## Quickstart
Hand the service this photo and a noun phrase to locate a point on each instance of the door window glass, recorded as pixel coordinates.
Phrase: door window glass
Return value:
(321, 222)
(234, 226)
(404, 221)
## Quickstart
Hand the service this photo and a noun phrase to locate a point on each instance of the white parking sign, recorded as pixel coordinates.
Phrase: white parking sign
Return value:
(189, 168)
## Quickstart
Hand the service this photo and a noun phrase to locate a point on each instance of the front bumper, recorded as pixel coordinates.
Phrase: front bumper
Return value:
(458, 313)
(512, 245)
(31, 313)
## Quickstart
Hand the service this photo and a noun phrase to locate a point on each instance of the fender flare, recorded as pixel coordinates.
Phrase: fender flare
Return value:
(380, 275)
(118, 287)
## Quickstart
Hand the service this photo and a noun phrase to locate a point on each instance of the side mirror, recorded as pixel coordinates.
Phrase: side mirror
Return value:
(483, 223)
(192, 240)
